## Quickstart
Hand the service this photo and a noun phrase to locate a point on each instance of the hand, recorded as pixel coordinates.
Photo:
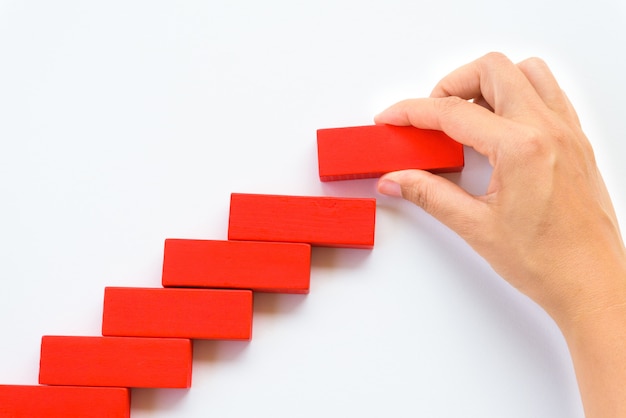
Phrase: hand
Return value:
(546, 222)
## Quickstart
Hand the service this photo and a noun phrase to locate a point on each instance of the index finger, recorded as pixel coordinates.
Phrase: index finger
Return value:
(463, 121)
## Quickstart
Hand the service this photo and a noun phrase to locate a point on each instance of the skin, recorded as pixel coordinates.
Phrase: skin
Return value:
(546, 223)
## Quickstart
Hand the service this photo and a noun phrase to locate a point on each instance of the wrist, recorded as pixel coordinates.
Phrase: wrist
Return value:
(604, 299)
(586, 286)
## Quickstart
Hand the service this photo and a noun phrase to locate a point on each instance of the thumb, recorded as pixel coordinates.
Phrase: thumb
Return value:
(444, 200)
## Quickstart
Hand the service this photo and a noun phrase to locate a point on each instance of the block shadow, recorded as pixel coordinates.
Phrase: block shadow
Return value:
(213, 351)
(334, 258)
(147, 400)
(277, 303)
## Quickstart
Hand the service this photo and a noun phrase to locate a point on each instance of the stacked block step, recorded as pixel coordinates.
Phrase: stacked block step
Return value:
(259, 266)
(18, 401)
(116, 362)
(177, 313)
(321, 221)
(208, 285)
(371, 151)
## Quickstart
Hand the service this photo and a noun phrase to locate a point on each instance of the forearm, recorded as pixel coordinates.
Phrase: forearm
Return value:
(597, 343)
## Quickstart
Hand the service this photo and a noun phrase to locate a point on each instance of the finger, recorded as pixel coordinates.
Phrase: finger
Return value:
(468, 123)
(446, 201)
(546, 86)
(497, 80)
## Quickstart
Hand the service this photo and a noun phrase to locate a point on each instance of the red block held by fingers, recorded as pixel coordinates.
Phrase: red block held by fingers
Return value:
(177, 313)
(18, 401)
(321, 221)
(116, 362)
(259, 266)
(371, 151)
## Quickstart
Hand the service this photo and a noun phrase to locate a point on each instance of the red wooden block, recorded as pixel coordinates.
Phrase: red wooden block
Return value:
(322, 221)
(177, 313)
(260, 266)
(371, 151)
(116, 361)
(63, 402)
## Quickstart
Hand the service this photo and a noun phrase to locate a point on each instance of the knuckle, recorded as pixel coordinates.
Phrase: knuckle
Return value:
(495, 57)
(426, 196)
(448, 105)
(534, 145)
(550, 143)
(419, 193)
(533, 62)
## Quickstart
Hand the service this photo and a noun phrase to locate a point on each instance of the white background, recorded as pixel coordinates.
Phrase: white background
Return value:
(123, 123)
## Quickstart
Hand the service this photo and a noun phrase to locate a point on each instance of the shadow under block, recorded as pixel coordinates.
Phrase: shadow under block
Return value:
(259, 266)
(63, 402)
(371, 151)
(320, 221)
(116, 362)
(177, 313)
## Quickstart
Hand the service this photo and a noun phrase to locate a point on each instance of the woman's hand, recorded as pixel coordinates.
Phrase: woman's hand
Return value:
(546, 222)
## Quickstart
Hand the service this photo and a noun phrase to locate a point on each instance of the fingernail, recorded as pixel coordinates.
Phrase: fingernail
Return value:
(389, 188)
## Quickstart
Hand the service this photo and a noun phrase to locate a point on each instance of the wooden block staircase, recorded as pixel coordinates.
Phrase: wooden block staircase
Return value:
(207, 292)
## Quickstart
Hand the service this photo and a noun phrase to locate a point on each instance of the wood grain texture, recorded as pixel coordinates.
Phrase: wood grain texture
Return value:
(115, 362)
(371, 151)
(320, 221)
(259, 266)
(17, 401)
(177, 313)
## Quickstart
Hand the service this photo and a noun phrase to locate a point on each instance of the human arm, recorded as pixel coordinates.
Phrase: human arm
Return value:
(546, 222)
